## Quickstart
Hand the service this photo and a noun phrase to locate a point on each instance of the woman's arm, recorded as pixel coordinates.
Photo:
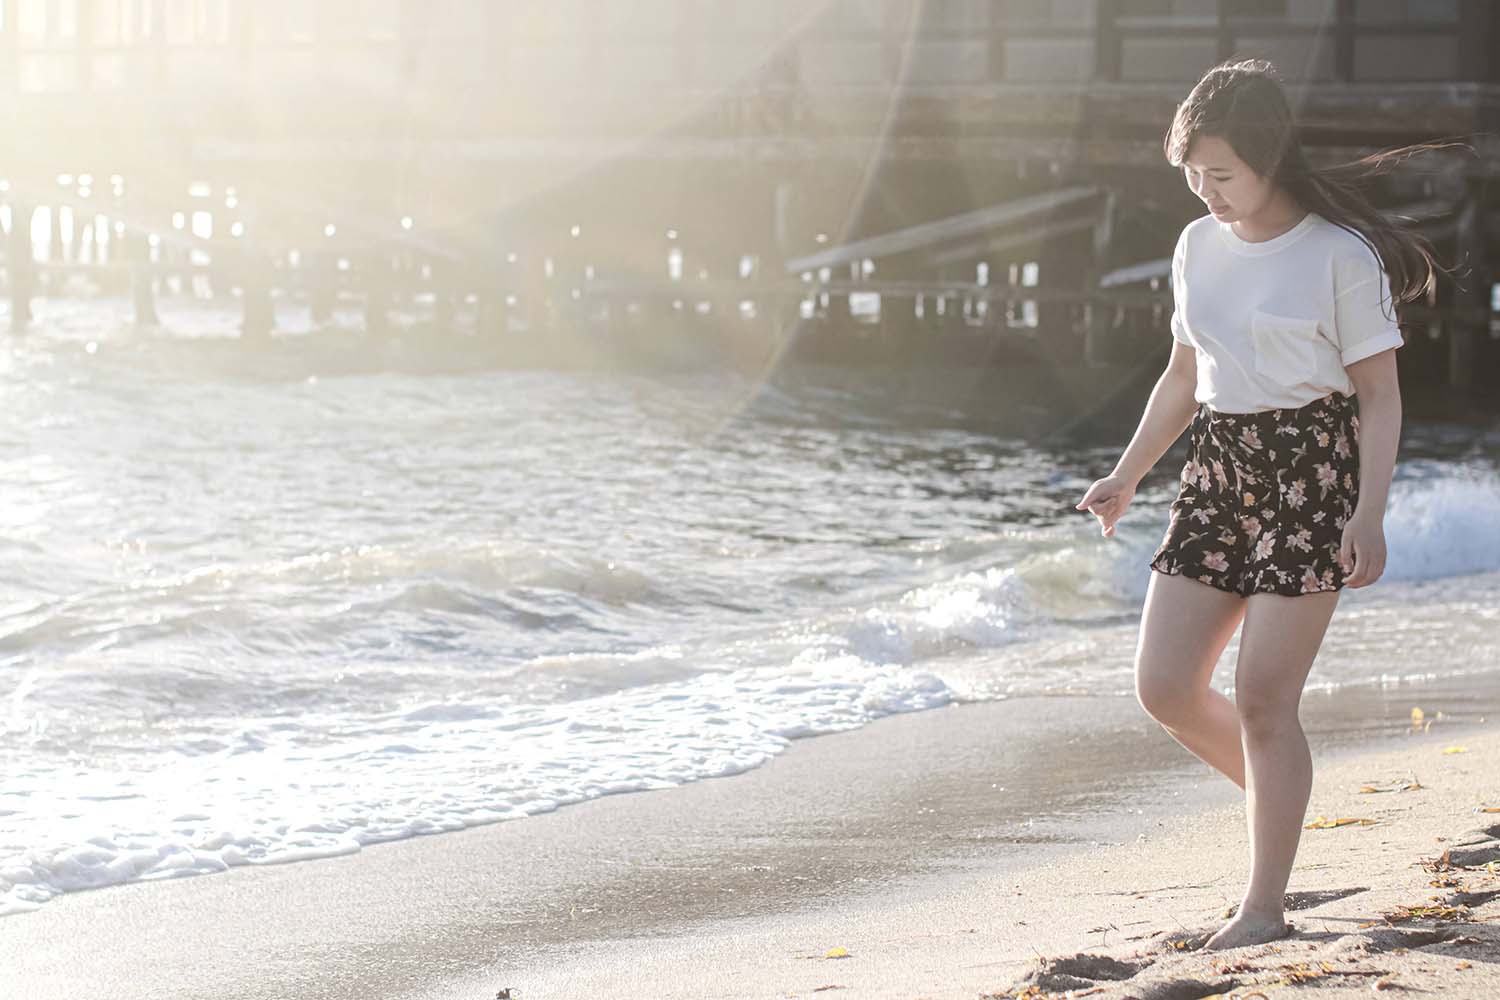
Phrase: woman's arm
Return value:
(1379, 394)
(1168, 412)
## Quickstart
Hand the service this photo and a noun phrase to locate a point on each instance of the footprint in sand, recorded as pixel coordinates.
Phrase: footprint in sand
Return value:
(1078, 971)
(1308, 900)
(1388, 939)
(1181, 989)
(1474, 857)
(1082, 971)
(1472, 900)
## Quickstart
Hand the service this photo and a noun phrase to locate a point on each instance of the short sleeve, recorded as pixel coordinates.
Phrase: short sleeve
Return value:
(1179, 332)
(1364, 314)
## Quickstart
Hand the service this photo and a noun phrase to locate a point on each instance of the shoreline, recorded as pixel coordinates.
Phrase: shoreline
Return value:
(871, 825)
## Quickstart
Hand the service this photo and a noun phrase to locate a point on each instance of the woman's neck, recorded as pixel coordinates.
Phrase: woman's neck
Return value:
(1270, 222)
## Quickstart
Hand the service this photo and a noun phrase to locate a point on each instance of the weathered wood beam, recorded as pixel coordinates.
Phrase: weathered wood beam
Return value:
(1032, 237)
(929, 234)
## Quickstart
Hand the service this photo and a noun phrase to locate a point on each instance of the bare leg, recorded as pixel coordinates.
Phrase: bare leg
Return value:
(1185, 626)
(1278, 644)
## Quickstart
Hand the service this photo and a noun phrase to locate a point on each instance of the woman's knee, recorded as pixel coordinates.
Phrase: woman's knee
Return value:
(1165, 697)
(1264, 711)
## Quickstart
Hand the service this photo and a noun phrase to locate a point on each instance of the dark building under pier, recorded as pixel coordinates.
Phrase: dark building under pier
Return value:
(753, 182)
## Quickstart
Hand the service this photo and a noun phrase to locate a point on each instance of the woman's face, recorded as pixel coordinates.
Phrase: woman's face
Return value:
(1227, 185)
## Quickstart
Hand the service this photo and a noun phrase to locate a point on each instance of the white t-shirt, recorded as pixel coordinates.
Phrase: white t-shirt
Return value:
(1274, 323)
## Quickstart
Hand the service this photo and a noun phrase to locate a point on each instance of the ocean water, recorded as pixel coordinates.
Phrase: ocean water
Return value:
(267, 603)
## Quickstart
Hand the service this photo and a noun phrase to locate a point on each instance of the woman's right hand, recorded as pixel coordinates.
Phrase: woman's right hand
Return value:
(1107, 499)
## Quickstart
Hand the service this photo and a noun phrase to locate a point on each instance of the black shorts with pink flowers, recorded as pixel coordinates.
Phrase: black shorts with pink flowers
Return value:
(1264, 498)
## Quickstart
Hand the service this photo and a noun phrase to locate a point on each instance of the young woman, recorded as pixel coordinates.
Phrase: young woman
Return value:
(1284, 315)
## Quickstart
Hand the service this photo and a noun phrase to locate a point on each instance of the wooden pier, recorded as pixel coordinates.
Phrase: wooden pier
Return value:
(744, 182)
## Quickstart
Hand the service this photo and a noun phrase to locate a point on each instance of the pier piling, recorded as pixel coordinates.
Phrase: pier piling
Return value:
(20, 265)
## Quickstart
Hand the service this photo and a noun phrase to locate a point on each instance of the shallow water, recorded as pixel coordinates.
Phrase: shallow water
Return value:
(274, 602)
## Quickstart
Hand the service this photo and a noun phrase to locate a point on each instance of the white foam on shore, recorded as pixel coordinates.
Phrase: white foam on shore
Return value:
(284, 789)
(277, 797)
(279, 790)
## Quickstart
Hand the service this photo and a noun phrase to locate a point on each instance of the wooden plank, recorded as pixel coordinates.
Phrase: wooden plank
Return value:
(1033, 237)
(929, 234)
(1157, 267)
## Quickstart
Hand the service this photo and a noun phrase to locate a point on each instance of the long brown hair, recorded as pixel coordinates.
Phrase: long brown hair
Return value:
(1242, 102)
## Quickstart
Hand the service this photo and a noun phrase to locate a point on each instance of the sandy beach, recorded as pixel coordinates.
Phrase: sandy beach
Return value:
(1404, 899)
(1394, 904)
(946, 858)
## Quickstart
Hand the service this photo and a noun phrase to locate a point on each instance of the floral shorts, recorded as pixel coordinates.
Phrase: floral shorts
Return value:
(1264, 499)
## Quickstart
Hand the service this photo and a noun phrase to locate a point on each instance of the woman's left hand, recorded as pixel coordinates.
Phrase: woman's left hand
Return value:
(1362, 551)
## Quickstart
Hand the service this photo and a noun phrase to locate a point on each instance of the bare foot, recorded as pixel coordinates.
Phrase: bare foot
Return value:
(1247, 928)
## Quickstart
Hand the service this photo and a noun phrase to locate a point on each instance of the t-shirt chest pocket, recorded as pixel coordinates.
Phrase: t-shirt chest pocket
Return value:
(1286, 347)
